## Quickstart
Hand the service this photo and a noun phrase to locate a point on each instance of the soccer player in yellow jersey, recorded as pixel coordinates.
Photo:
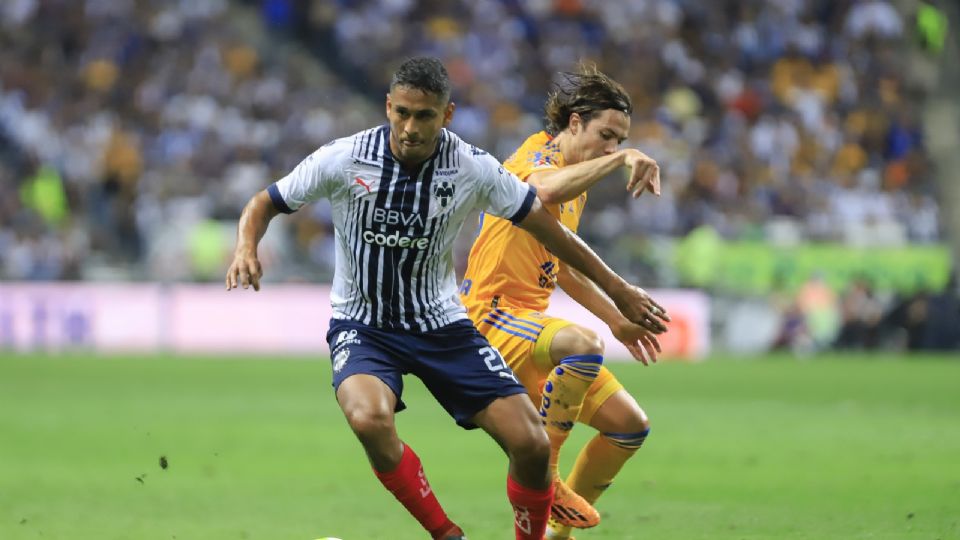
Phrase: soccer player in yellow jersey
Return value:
(510, 277)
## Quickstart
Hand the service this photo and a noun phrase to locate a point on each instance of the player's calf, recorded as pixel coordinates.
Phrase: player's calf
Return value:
(513, 423)
(563, 394)
(531, 509)
(409, 485)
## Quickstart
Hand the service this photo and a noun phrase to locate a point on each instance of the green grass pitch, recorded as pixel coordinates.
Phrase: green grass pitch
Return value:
(861, 447)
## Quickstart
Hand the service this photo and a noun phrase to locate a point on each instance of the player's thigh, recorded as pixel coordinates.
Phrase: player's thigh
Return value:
(462, 370)
(609, 408)
(367, 374)
(570, 340)
(524, 338)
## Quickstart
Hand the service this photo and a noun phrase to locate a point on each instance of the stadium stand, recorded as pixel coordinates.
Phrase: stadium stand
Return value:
(132, 132)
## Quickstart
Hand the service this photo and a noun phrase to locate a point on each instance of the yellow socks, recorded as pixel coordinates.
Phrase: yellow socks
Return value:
(563, 395)
(600, 461)
(596, 466)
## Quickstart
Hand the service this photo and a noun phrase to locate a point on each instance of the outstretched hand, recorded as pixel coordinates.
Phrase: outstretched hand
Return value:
(644, 173)
(244, 271)
(639, 308)
(642, 343)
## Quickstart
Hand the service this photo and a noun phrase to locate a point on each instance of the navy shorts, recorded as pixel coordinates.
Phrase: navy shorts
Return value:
(456, 363)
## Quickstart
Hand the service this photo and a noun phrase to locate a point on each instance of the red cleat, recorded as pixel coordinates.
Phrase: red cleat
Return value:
(453, 533)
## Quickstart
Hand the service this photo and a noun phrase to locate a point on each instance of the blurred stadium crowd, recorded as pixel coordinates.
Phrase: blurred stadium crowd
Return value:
(756, 110)
(132, 131)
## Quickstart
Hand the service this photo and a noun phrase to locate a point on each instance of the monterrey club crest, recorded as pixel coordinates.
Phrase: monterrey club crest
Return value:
(340, 359)
(443, 191)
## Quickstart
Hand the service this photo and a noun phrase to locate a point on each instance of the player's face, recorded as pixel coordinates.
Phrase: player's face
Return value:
(416, 118)
(602, 135)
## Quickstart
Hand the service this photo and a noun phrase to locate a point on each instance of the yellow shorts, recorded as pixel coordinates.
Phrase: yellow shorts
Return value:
(523, 337)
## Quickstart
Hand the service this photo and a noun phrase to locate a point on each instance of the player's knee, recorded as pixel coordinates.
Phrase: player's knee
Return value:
(631, 432)
(370, 424)
(533, 447)
(636, 423)
(580, 340)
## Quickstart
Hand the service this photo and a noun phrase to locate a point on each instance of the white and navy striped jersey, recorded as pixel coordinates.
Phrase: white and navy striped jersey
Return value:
(395, 228)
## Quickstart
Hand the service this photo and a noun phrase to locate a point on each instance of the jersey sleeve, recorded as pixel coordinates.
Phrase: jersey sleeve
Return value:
(503, 195)
(314, 178)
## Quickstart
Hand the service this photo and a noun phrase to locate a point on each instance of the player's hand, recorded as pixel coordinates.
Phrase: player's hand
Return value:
(638, 307)
(644, 173)
(244, 271)
(641, 343)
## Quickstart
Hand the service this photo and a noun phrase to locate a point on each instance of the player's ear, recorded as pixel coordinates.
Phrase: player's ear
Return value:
(448, 113)
(388, 104)
(575, 123)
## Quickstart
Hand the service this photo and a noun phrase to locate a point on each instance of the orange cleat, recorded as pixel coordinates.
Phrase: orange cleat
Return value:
(571, 509)
(552, 533)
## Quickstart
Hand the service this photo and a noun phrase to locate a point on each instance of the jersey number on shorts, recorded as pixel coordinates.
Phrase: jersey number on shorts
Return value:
(495, 363)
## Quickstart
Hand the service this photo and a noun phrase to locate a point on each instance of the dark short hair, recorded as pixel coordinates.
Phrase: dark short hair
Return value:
(423, 73)
(586, 92)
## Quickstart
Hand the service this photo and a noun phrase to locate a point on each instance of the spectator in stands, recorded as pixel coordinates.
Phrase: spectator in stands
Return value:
(756, 111)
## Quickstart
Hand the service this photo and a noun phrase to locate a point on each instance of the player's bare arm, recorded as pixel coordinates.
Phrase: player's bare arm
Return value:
(245, 269)
(632, 301)
(569, 182)
(642, 343)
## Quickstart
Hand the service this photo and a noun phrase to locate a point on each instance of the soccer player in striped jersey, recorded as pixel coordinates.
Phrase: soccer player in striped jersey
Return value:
(511, 275)
(400, 193)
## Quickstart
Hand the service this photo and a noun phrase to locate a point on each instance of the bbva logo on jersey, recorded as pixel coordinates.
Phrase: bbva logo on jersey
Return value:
(411, 225)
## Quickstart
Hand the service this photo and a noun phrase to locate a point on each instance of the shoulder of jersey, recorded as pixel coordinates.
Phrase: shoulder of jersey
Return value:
(342, 145)
(470, 156)
(464, 148)
(361, 148)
